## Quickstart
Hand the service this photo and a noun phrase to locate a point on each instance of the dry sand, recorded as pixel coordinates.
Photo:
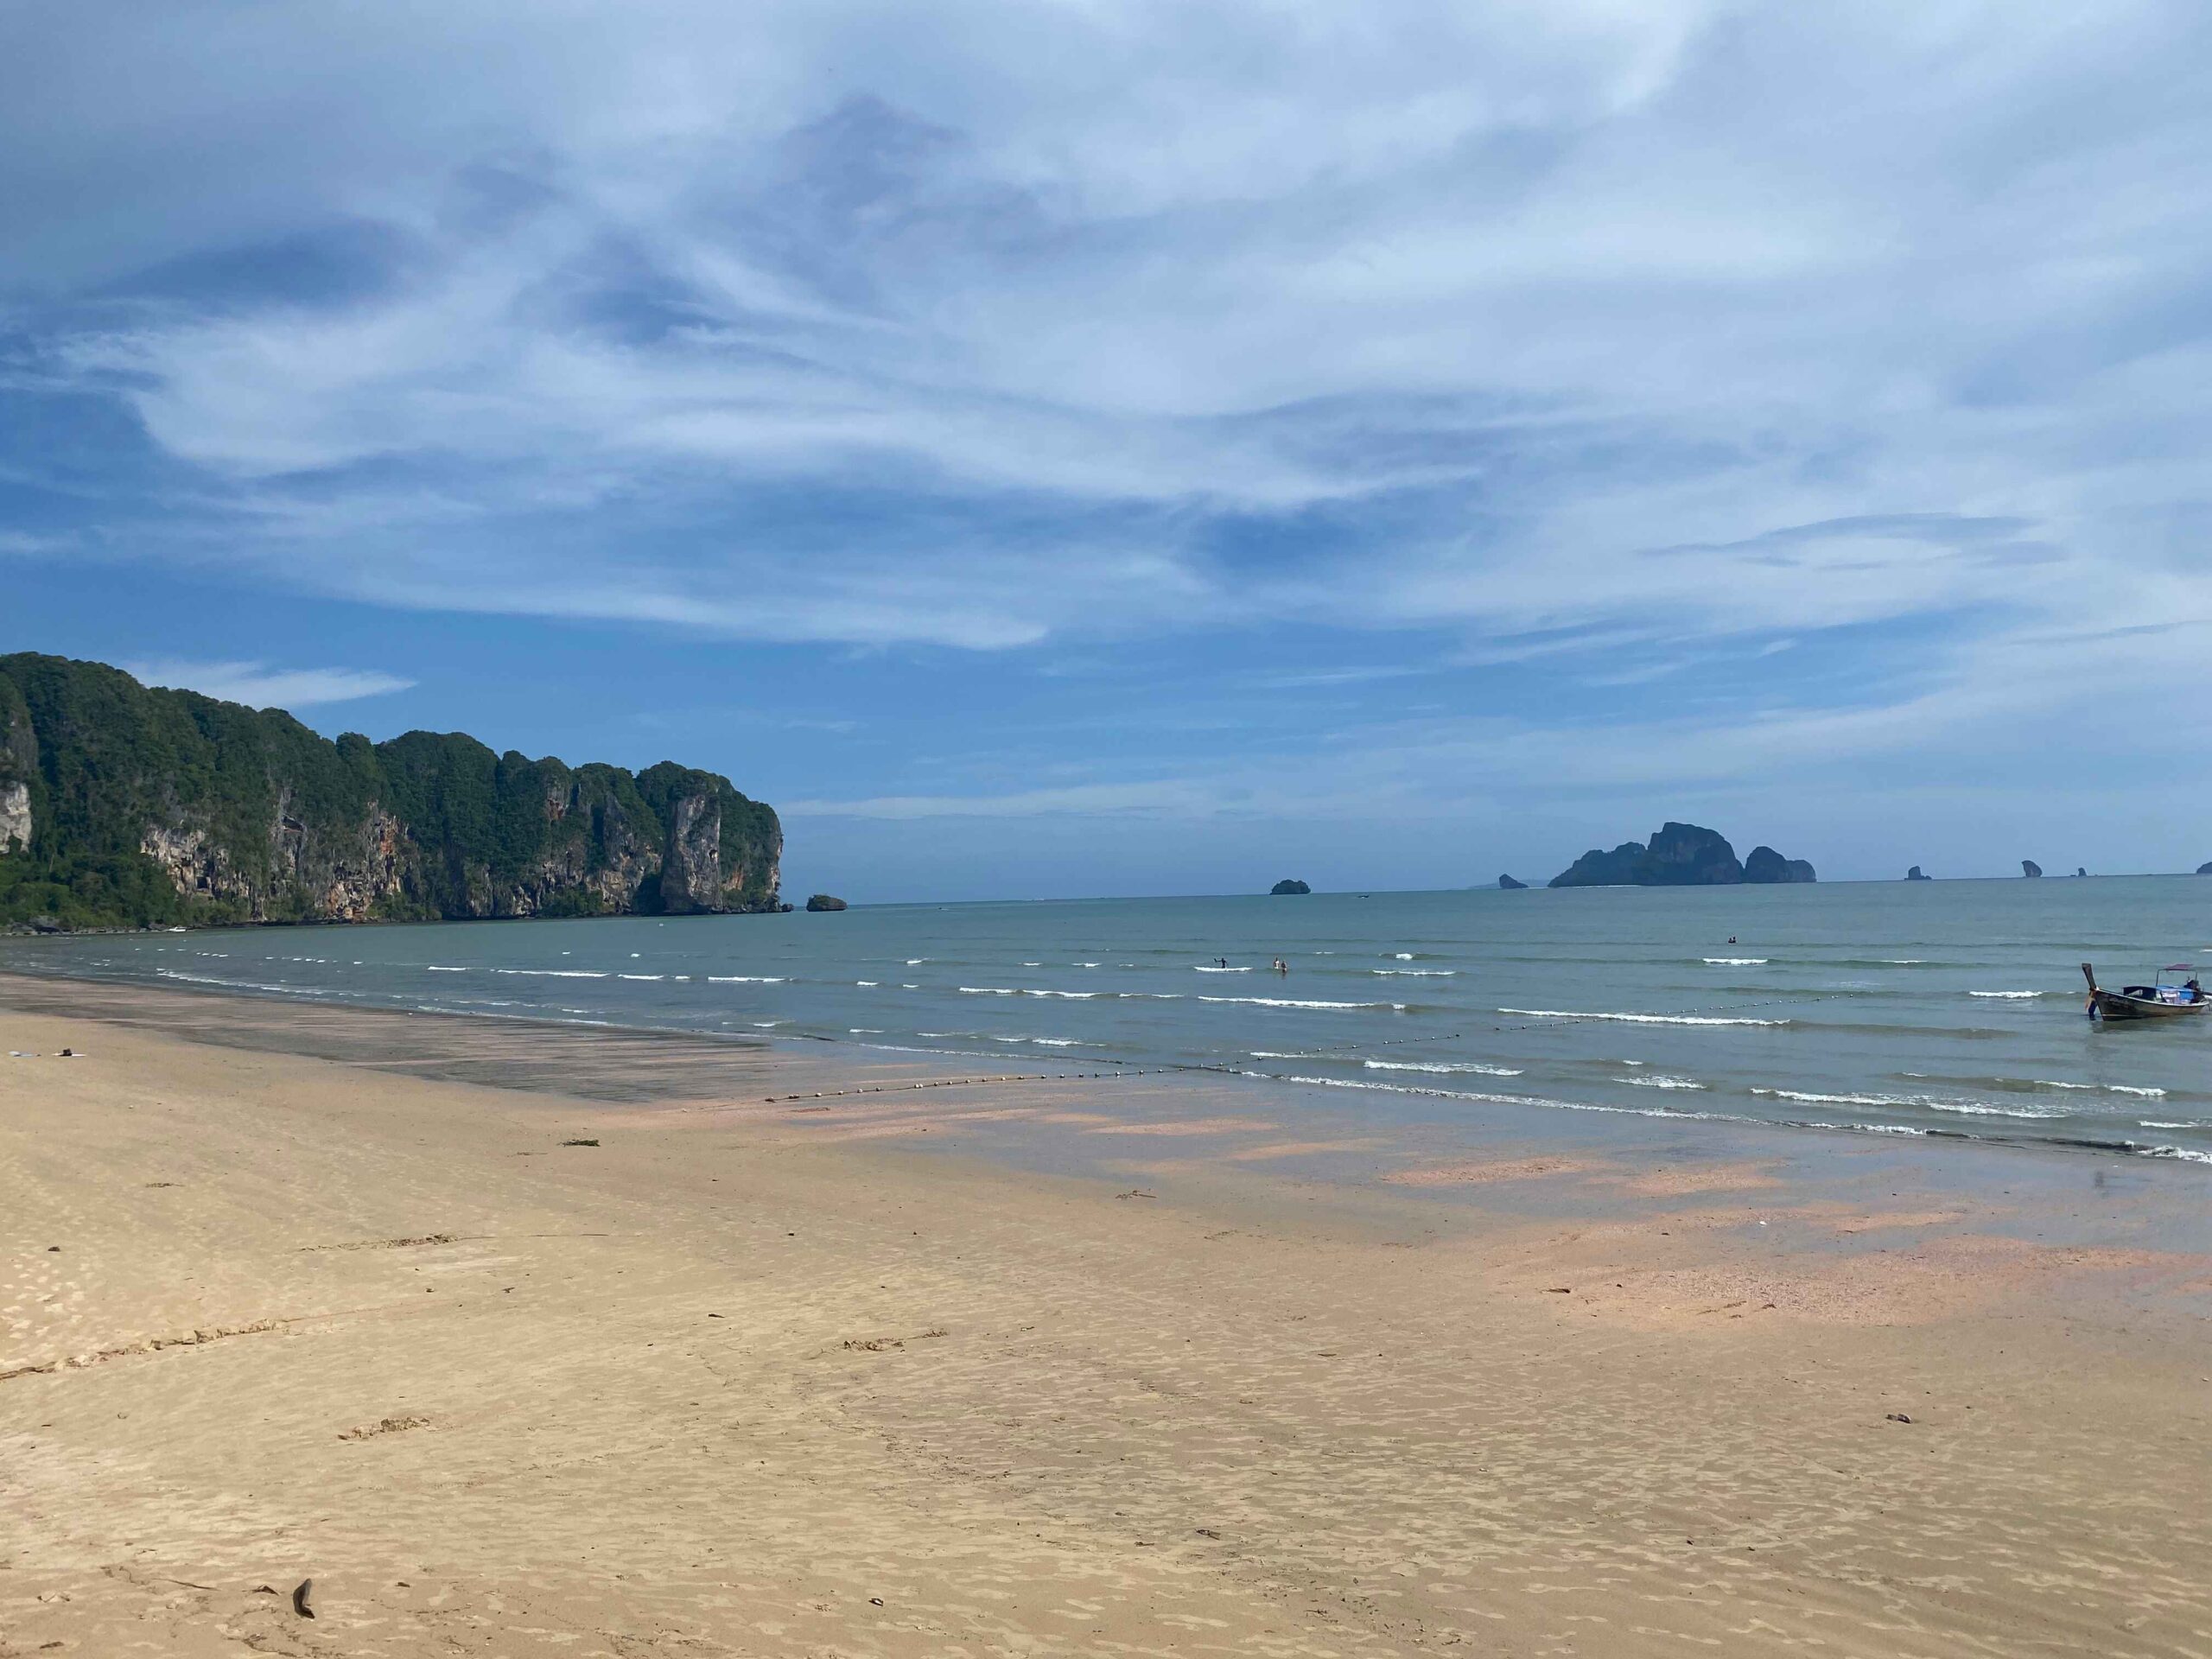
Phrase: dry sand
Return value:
(734, 1382)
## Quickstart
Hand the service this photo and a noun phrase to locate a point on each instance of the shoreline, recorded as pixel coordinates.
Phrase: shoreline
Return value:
(1039, 1367)
(812, 1064)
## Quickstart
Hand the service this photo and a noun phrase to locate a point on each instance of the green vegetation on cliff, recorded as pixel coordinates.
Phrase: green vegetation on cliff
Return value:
(154, 807)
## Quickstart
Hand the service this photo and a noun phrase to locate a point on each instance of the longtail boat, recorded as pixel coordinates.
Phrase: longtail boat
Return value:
(2174, 991)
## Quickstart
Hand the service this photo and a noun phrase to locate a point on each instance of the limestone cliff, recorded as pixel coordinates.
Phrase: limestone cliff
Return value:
(18, 763)
(127, 805)
(1680, 855)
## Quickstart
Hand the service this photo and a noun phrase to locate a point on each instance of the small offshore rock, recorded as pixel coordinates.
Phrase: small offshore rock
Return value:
(822, 901)
(1288, 885)
(1507, 883)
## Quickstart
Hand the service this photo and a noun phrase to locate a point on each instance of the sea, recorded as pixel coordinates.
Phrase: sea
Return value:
(1951, 1009)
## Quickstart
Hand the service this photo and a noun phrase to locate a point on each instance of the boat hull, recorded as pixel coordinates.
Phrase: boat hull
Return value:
(2111, 1005)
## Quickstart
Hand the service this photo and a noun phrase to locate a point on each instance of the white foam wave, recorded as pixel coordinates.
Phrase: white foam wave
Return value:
(867, 984)
(1402, 956)
(433, 968)
(2132, 1089)
(236, 984)
(2008, 996)
(2154, 1123)
(552, 973)
(1200, 969)
(1502, 1100)
(1024, 990)
(1917, 1102)
(1809, 1097)
(744, 979)
(1658, 1080)
(641, 976)
(2186, 1154)
(1417, 973)
(1644, 1019)
(1295, 1002)
(864, 1030)
(1735, 961)
(1433, 1065)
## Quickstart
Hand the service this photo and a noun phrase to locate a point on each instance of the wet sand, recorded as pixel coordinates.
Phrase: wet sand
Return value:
(829, 1353)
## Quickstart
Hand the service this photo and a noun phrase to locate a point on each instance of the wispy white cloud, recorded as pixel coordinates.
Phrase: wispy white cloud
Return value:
(1534, 331)
(264, 687)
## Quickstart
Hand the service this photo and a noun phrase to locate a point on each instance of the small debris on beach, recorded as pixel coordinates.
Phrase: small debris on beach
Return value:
(1899, 1417)
(580, 1142)
(1137, 1192)
(386, 1426)
(299, 1599)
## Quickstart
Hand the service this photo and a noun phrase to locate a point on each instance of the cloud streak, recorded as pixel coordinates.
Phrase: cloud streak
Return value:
(1590, 338)
(264, 687)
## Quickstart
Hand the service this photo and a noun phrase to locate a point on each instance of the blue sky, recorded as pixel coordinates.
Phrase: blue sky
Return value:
(1135, 447)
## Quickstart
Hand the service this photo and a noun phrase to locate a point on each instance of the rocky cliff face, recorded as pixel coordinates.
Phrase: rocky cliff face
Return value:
(690, 866)
(1680, 855)
(14, 817)
(132, 805)
(2029, 868)
(18, 762)
(1507, 883)
(1915, 874)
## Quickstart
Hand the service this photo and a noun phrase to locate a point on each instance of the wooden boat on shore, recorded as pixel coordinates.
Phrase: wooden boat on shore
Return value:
(2159, 1000)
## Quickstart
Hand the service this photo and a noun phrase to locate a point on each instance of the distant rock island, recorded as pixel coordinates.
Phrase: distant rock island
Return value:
(1510, 885)
(1281, 887)
(1681, 855)
(123, 806)
(822, 901)
(1766, 865)
(2082, 871)
(2204, 869)
(1915, 874)
(2029, 868)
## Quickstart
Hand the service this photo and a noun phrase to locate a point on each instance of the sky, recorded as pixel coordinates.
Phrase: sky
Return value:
(1113, 447)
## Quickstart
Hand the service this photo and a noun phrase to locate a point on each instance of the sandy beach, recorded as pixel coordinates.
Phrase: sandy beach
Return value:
(793, 1355)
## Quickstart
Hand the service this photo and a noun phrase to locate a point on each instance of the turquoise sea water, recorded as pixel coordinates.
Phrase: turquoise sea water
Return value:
(1942, 1009)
